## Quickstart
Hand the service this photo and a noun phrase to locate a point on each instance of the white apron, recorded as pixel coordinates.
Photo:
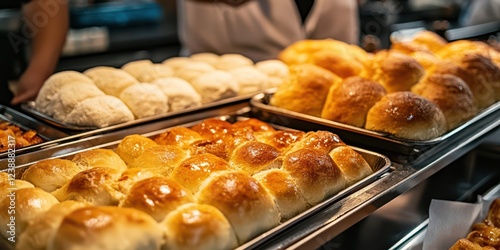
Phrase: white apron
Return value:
(260, 29)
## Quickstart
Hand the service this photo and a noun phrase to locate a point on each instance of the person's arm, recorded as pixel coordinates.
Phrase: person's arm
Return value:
(49, 36)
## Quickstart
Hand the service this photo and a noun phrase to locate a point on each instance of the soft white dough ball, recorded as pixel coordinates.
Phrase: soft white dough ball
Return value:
(209, 58)
(144, 100)
(190, 71)
(180, 94)
(233, 61)
(250, 79)
(215, 85)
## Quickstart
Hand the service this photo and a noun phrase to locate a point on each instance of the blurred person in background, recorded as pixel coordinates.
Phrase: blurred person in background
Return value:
(260, 29)
(481, 11)
(44, 27)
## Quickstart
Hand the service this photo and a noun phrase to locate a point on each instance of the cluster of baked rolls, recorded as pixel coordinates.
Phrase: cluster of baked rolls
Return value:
(416, 90)
(484, 235)
(103, 96)
(215, 185)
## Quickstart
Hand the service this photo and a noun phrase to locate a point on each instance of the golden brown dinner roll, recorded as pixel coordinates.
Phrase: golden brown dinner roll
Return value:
(100, 157)
(465, 244)
(407, 116)
(451, 94)
(352, 165)
(323, 141)
(132, 175)
(315, 174)
(213, 128)
(132, 146)
(349, 101)
(95, 186)
(285, 192)
(459, 48)
(219, 147)
(178, 136)
(254, 156)
(258, 127)
(161, 159)
(305, 89)
(419, 52)
(340, 62)
(9, 185)
(283, 139)
(51, 174)
(20, 207)
(493, 215)
(198, 227)
(430, 40)
(394, 70)
(243, 200)
(110, 80)
(41, 230)
(194, 170)
(106, 227)
(156, 196)
(4, 176)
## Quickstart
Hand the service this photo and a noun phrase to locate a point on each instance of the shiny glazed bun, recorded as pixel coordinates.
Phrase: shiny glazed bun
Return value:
(244, 201)
(132, 146)
(407, 116)
(352, 165)
(51, 174)
(283, 139)
(213, 128)
(132, 175)
(110, 80)
(315, 174)
(323, 141)
(101, 157)
(178, 136)
(430, 40)
(305, 89)
(349, 101)
(161, 159)
(254, 156)
(198, 226)
(106, 227)
(7, 186)
(451, 94)
(156, 196)
(258, 127)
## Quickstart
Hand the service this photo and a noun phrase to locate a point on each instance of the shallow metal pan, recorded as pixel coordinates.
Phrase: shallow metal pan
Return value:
(49, 134)
(262, 110)
(379, 163)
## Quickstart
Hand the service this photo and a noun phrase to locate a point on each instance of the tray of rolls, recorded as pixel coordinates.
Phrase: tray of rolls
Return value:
(21, 133)
(220, 183)
(141, 91)
(411, 96)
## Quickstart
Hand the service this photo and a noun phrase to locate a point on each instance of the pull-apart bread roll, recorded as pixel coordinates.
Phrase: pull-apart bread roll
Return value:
(452, 95)
(285, 192)
(100, 157)
(144, 100)
(423, 41)
(156, 196)
(29, 204)
(394, 70)
(51, 174)
(250, 79)
(254, 156)
(458, 49)
(213, 128)
(259, 128)
(177, 62)
(42, 229)
(198, 227)
(349, 101)
(407, 116)
(340, 58)
(147, 71)
(305, 89)
(161, 159)
(95, 186)
(193, 171)
(352, 165)
(99, 111)
(180, 94)
(52, 86)
(193, 70)
(178, 136)
(69, 96)
(228, 62)
(419, 52)
(110, 80)
(136, 68)
(283, 140)
(206, 57)
(215, 85)
(243, 200)
(106, 227)
(132, 146)
(323, 141)
(276, 70)
(132, 175)
(315, 173)
(7, 186)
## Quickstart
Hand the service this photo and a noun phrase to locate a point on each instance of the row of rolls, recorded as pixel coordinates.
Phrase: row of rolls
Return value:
(103, 96)
(215, 185)
(416, 90)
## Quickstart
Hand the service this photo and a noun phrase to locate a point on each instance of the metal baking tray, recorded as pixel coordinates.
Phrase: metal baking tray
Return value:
(49, 135)
(379, 163)
(355, 135)
(29, 107)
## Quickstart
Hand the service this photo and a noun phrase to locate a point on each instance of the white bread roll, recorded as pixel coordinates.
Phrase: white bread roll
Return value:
(136, 68)
(24, 205)
(53, 84)
(99, 157)
(191, 70)
(243, 200)
(42, 229)
(106, 227)
(206, 57)
(110, 80)
(180, 94)
(69, 96)
(51, 174)
(155, 71)
(177, 62)
(276, 70)
(250, 79)
(100, 111)
(216, 85)
(145, 100)
(232, 61)
(198, 227)
(132, 146)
